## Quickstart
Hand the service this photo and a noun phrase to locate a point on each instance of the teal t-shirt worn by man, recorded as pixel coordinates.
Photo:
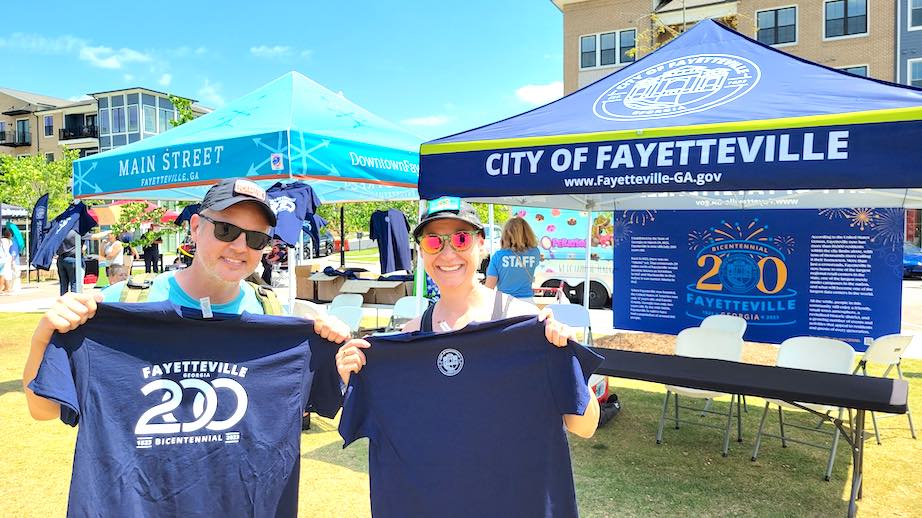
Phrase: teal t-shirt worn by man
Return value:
(165, 287)
(515, 271)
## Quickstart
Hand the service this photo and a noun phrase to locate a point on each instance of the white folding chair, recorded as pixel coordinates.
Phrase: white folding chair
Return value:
(351, 315)
(730, 324)
(574, 315)
(887, 350)
(347, 299)
(696, 342)
(815, 354)
(406, 309)
(308, 310)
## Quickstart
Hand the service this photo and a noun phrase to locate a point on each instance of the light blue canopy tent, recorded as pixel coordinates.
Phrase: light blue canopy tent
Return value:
(290, 129)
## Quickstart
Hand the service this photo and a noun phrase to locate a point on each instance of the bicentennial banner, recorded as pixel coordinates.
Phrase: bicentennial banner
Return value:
(833, 273)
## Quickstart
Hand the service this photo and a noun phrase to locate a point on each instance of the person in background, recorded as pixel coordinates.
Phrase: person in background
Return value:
(114, 252)
(131, 254)
(512, 267)
(6, 262)
(151, 254)
(67, 262)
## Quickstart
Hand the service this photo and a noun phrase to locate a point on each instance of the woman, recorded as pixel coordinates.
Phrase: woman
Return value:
(451, 237)
(114, 254)
(6, 262)
(512, 268)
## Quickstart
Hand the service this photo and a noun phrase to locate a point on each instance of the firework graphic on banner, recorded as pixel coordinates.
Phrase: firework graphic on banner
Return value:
(784, 243)
(621, 230)
(639, 217)
(752, 231)
(698, 239)
(835, 213)
(861, 218)
(887, 228)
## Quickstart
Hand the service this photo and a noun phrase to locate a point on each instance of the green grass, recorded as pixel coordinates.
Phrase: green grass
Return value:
(619, 472)
(368, 255)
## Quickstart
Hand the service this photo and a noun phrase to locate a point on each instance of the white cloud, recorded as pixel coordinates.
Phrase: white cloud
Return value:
(42, 44)
(276, 51)
(428, 121)
(105, 57)
(210, 94)
(165, 80)
(200, 51)
(307, 53)
(128, 78)
(76, 98)
(537, 95)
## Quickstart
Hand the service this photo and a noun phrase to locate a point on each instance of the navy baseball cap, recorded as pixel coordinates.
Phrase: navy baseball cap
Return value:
(232, 191)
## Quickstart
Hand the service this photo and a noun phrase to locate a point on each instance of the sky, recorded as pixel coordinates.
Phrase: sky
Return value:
(434, 67)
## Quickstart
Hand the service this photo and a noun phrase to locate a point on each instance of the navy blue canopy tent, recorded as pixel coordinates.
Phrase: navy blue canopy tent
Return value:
(711, 120)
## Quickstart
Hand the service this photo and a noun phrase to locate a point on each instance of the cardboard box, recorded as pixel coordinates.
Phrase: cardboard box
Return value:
(305, 286)
(385, 295)
(318, 286)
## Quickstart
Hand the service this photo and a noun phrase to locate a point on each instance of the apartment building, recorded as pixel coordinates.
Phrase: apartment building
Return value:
(19, 124)
(601, 36)
(105, 120)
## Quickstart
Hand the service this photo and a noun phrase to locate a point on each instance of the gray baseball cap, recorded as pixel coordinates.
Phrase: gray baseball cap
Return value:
(232, 191)
(448, 207)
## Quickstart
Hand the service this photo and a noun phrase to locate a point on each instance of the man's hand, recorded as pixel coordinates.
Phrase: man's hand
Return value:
(350, 358)
(332, 329)
(556, 333)
(69, 312)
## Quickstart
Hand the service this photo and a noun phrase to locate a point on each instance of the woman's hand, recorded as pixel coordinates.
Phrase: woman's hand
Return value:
(350, 358)
(332, 329)
(556, 333)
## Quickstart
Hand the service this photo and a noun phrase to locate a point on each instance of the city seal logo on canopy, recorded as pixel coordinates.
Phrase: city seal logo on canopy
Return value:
(679, 86)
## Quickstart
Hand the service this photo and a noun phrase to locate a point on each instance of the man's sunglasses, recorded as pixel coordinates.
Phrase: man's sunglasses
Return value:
(228, 232)
(460, 241)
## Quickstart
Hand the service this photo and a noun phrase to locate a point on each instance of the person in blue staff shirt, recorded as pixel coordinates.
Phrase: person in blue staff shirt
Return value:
(512, 268)
(451, 237)
(230, 233)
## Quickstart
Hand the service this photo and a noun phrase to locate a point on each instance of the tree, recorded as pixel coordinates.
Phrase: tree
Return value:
(23, 180)
(660, 34)
(183, 108)
(134, 214)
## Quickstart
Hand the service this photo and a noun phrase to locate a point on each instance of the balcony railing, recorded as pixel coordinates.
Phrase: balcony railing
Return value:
(15, 138)
(78, 132)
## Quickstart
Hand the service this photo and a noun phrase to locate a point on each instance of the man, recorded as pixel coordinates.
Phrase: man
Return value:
(230, 232)
(151, 255)
(67, 262)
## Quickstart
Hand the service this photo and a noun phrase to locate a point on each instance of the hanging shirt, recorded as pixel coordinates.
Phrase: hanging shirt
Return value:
(201, 421)
(392, 232)
(77, 218)
(292, 203)
(479, 429)
(515, 271)
(312, 225)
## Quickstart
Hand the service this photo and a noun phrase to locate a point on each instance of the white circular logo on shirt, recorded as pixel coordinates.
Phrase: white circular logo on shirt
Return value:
(450, 362)
(688, 84)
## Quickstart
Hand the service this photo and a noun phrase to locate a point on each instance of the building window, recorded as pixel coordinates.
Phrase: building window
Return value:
(915, 14)
(607, 49)
(846, 18)
(777, 26)
(587, 51)
(857, 71)
(915, 73)
(90, 120)
(150, 119)
(49, 157)
(133, 123)
(165, 117)
(118, 119)
(49, 125)
(103, 122)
